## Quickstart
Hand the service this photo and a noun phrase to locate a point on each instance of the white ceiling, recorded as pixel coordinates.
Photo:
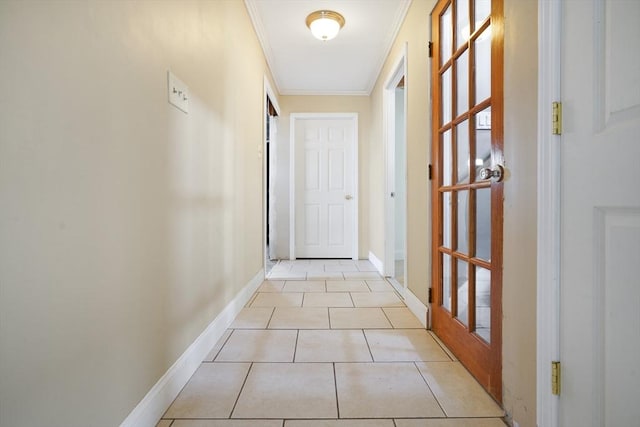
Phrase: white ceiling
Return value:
(346, 65)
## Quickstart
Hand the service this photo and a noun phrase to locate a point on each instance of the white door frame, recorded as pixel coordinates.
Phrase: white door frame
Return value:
(270, 94)
(548, 256)
(294, 117)
(398, 71)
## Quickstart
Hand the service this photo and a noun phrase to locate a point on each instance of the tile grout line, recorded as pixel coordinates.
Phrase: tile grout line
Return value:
(352, 301)
(429, 387)
(233, 331)
(295, 347)
(387, 317)
(270, 318)
(368, 346)
(335, 383)
(241, 390)
(221, 347)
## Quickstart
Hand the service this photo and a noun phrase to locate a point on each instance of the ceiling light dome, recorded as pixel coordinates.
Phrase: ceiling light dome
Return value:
(325, 24)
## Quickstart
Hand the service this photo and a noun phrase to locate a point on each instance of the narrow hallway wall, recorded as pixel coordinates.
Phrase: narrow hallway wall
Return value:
(126, 225)
(414, 32)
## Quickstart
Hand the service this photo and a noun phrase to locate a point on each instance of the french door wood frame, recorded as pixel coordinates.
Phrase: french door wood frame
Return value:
(459, 122)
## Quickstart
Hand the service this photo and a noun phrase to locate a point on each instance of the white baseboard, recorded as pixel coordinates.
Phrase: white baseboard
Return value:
(416, 306)
(376, 263)
(159, 398)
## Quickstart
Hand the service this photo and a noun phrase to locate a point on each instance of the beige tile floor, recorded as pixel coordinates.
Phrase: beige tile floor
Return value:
(329, 343)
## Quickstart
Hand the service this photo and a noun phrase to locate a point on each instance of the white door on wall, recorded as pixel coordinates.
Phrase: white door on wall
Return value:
(324, 174)
(600, 214)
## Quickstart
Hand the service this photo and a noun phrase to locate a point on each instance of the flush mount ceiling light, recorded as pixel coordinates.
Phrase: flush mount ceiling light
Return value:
(325, 24)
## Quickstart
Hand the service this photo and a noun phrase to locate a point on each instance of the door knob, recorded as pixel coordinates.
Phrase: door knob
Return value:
(497, 174)
(348, 197)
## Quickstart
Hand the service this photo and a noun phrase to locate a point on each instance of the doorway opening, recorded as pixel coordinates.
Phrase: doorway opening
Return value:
(271, 112)
(395, 107)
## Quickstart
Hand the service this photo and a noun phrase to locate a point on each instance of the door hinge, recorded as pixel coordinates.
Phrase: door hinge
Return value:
(555, 378)
(556, 118)
(430, 49)
(430, 296)
(430, 172)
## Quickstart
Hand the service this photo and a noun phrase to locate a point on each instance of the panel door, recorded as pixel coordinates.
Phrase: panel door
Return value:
(467, 199)
(600, 214)
(324, 188)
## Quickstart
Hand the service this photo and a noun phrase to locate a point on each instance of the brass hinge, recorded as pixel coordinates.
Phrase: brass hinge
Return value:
(430, 297)
(556, 118)
(555, 378)
(430, 172)
(430, 49)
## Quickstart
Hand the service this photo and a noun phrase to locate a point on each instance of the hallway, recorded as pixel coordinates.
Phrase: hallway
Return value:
(330, 343)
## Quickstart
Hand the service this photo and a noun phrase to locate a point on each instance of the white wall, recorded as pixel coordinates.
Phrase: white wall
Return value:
(126, 225)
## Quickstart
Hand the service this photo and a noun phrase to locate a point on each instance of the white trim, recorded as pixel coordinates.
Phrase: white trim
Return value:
(376, 263)
(548, 224)
(286, 92)
(294, 117)
(416, 306)
(268, 91)
(398, 71)
(150, 409)
(254, 15)
(397, 24)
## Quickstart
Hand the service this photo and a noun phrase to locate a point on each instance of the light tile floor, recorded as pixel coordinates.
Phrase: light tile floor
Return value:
(329, 343)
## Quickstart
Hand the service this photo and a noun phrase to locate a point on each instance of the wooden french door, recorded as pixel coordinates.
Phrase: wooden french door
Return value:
(467, 184)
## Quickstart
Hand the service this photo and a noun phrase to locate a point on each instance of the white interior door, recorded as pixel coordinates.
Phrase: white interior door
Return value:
(325, 186)
(600, 214)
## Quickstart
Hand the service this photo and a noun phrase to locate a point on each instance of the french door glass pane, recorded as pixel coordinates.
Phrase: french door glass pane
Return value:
(446, 36)
(462, 83)
(483, 223)
(446, 96)
(463, 292)
(463, 228)
(446, 282)
(462, 22)
(447, 158)
(483, 303)
(446, 219)
(481, 11)
(462, 152)
(482, 59)
(483, 140)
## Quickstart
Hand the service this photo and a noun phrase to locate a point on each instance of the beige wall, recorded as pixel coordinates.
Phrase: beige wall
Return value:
(519, 274)
(415, 34)
(126, 225)
(322, 104)
(519, 281)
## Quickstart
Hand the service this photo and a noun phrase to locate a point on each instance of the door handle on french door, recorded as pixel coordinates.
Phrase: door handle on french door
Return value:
(348, 197)
(497, 173)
